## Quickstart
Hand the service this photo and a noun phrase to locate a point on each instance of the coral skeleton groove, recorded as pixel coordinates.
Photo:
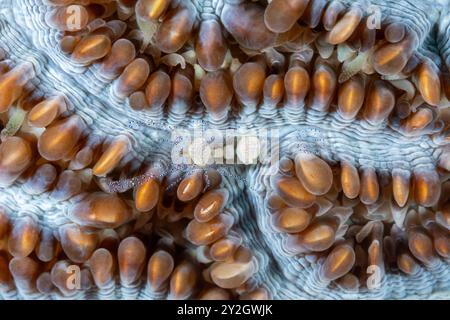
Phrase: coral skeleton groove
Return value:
(224, 149)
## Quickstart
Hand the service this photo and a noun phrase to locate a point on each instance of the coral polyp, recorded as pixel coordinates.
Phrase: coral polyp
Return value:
(224, 149)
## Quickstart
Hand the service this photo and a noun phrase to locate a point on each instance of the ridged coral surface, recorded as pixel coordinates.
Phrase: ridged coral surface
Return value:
(349, 101)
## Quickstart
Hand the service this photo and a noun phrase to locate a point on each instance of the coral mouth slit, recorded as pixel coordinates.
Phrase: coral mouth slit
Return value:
(96, 97)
